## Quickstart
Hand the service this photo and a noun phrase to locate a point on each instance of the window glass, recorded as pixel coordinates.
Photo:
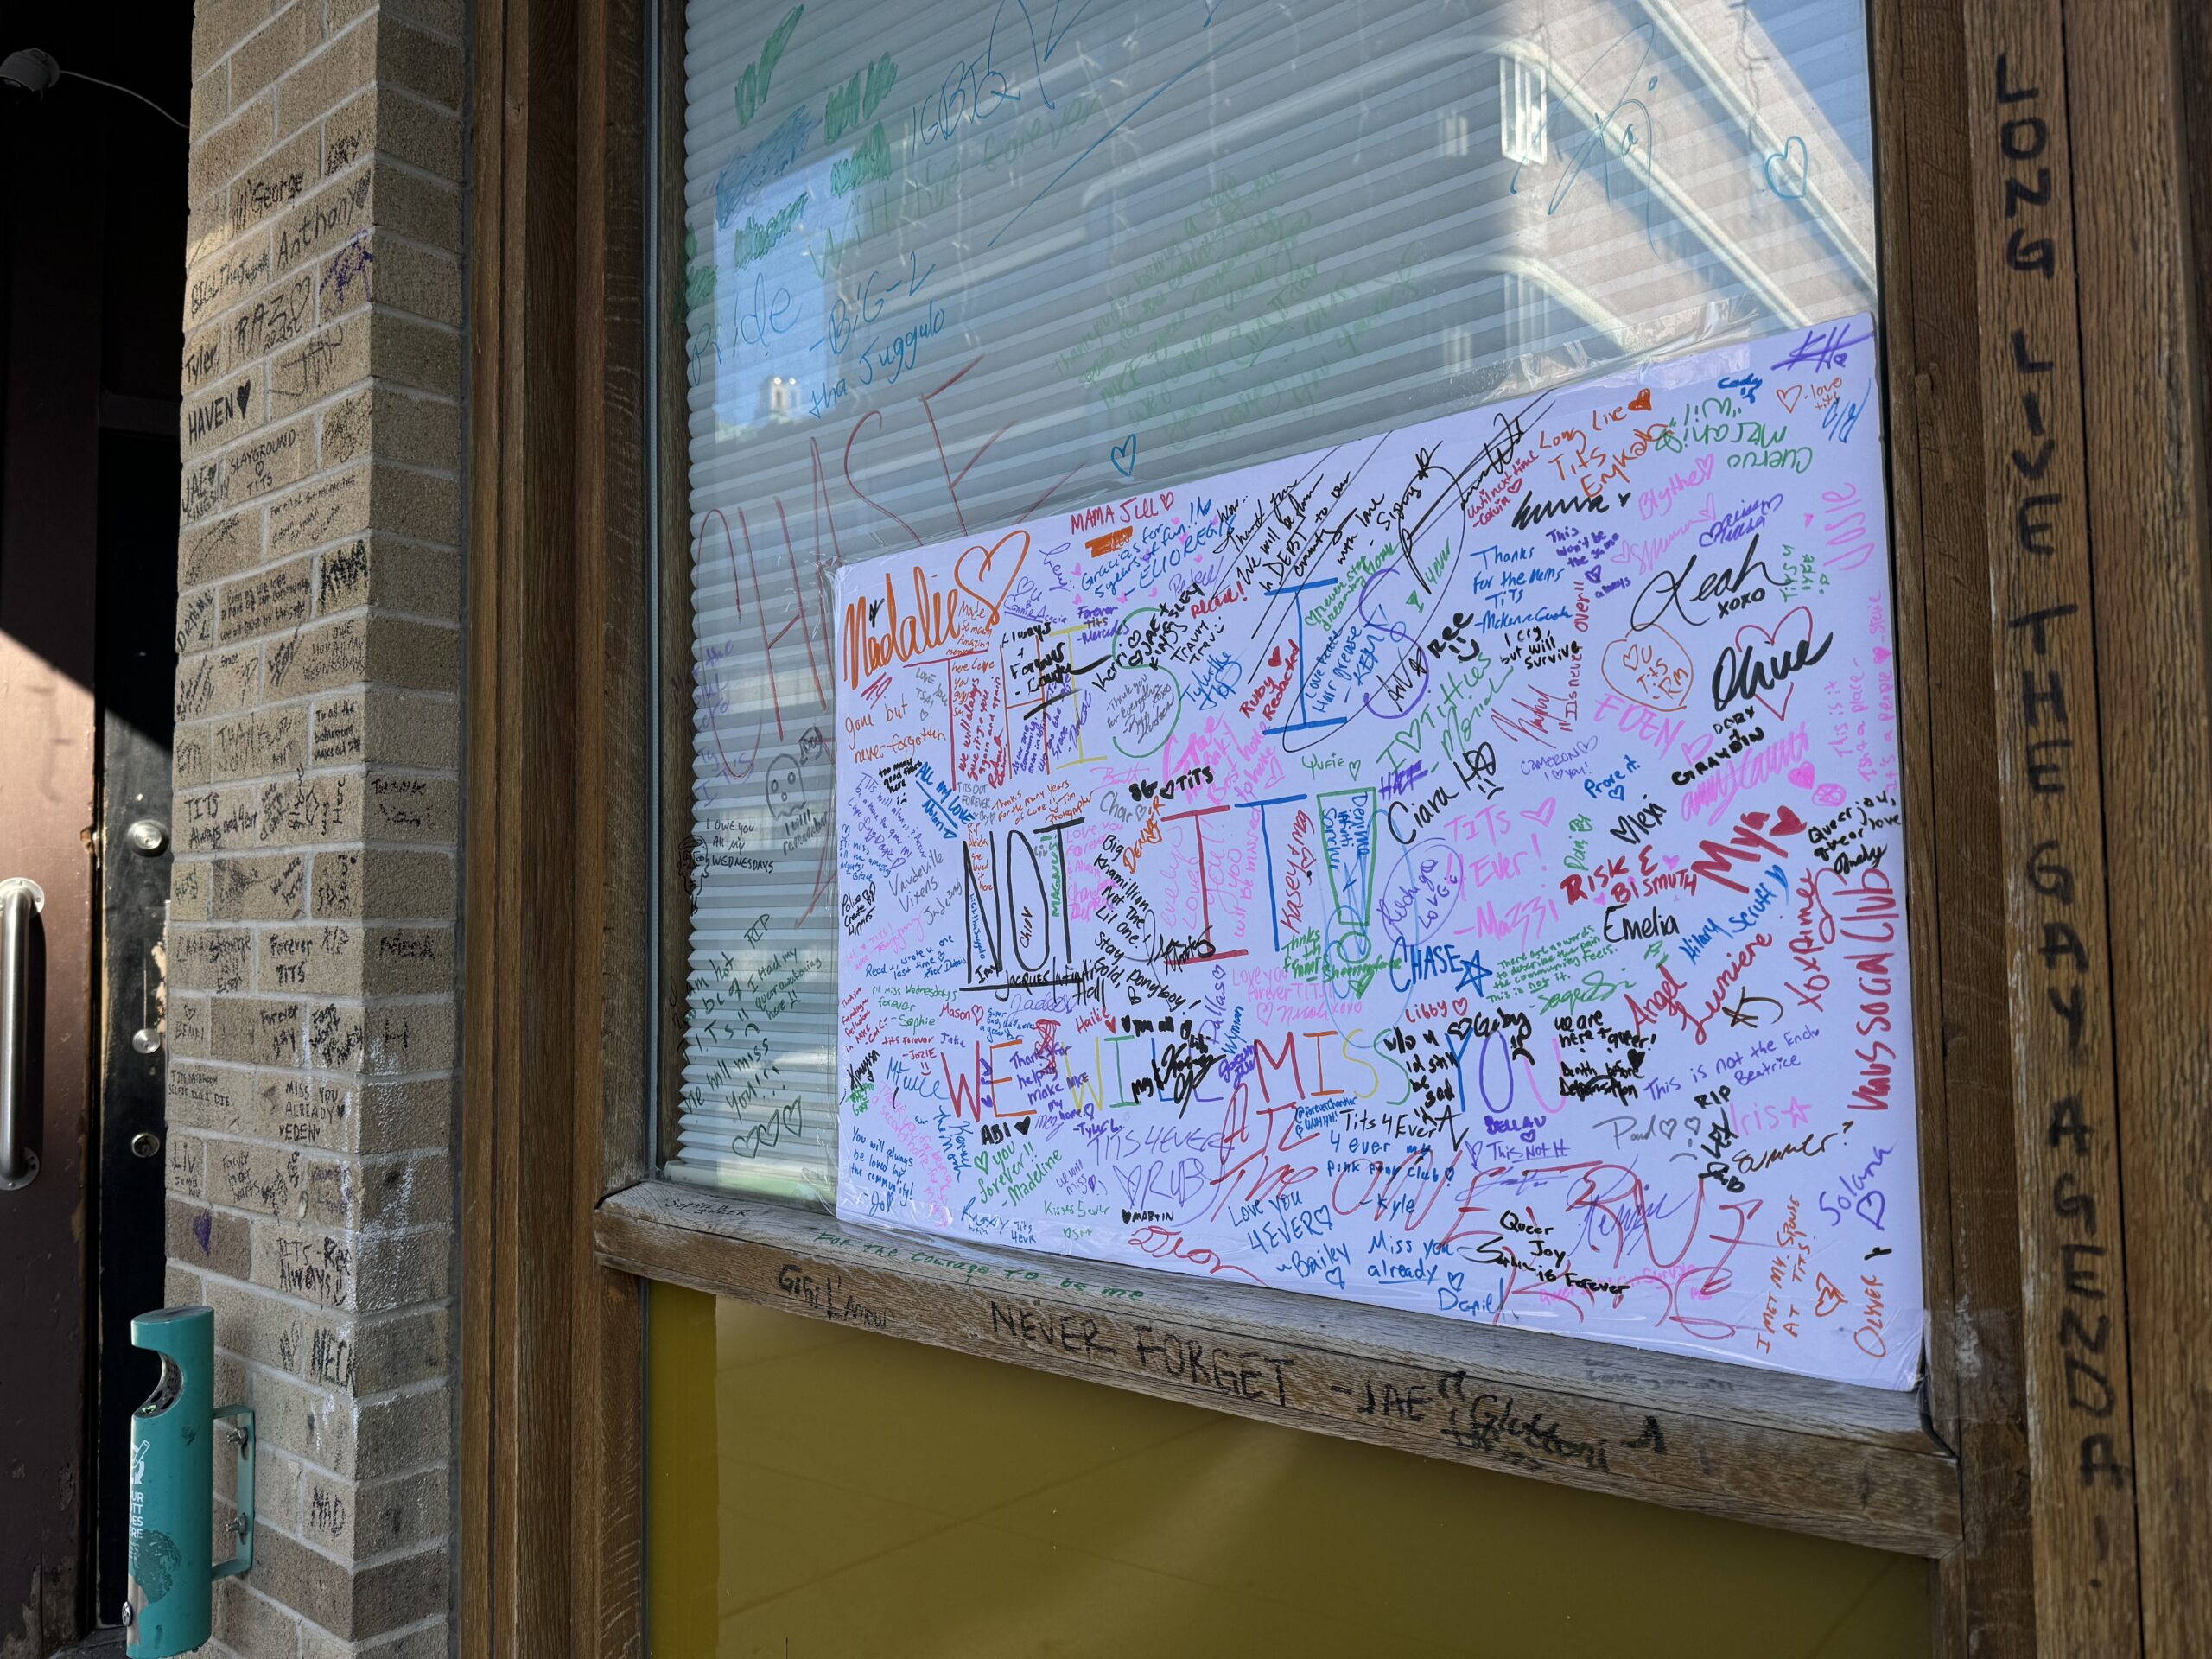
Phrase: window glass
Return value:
(949, 265)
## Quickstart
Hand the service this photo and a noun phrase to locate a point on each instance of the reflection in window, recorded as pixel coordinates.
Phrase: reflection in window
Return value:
(948, 264)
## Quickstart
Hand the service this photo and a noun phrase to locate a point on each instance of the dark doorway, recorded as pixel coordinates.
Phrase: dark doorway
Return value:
(92, 229)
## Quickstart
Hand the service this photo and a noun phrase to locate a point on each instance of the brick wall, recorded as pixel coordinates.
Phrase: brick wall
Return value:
(313, 1015)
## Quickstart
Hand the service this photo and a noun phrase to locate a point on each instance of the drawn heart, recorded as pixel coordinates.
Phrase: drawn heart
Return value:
(1787, 396)
(1786, 170)
(1808, 521)
(1457, 1281)
(1881, 1208)
(1881, 653)
(1792, 624)
(1666, 1128)
(1805, 776)
(987, 573)
(1543, 814)
(1642, 400)
(1125, 456)
(1827, 1297)
(1649, 666)
(1695, 753)
(1672, 860)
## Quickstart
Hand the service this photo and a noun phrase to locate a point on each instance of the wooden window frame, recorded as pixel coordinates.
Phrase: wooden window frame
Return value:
(565, 1224)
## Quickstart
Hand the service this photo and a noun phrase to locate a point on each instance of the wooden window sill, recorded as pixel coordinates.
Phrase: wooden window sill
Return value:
(1848, 1463)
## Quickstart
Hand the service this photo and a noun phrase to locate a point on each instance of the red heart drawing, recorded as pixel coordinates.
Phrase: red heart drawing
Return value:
(982, 572)
(1793, 623)
(1642, 400)
(1787, 396)
(1650, 666)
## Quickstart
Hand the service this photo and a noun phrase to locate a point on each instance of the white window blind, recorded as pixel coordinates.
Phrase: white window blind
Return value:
(949, 263)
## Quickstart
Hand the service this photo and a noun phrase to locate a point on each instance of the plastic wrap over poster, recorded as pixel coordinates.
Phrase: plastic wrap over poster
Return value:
(1460, 870)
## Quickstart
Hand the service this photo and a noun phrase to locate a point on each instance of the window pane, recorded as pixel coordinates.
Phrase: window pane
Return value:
(949, 265)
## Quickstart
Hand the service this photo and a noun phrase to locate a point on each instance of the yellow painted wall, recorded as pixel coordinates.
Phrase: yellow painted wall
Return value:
(817, 1492)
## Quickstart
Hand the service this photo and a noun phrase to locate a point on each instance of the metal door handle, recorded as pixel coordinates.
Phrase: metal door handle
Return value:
(21, 899)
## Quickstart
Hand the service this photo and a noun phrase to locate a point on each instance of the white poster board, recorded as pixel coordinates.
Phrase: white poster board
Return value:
(1460, 870)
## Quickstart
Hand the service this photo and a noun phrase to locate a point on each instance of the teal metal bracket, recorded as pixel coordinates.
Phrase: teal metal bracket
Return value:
(168, 1607)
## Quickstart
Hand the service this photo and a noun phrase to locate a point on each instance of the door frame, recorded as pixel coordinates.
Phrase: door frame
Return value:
(558, 1049)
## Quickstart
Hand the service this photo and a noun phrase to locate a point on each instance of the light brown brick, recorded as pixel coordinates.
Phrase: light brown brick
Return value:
(406, 351)
(314, 1266)
(400, 425)
(213, 416)
(409, 729)
(256, 743)
(232, 147)
(216, 683)
(281, 43)
(386, 883)
(430, 1640)
(311, 1423)
(213, 552)
(308, 812)
(339, 210)
(319, 657)
(247, 1622)
(210, 958)
(324, 960)
(402, 1116)
(246, 1031)
(352, 1608)
(271, 461)
(267, 888)
(396, 1350)
(188, 878)
(206, 1240)
(422, 209)
(188, 1026)
(400, 1192)
(189, 757)
(422, 64)
(273, 319)
(343, 66)
(424, 506)
(211, 102)
(265, 602)
(209, 1098)
(226, 274)
(220, 25)
(393, 124)
(407, 960)
(413, 809)
(206, 355)
(184, 1163)
(413, 655)
(317, 1112)
(411, 1509)
(327, 361)
(214, 820)
(406, 1037)
(326, 510)
(285, 1183)
(405, 1431)
(195, 620)
(270, 184)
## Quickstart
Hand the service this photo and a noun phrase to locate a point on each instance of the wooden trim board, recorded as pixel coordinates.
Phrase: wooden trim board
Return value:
(1840, 1462)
